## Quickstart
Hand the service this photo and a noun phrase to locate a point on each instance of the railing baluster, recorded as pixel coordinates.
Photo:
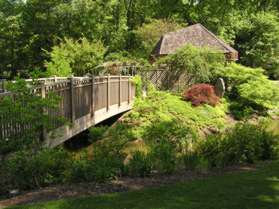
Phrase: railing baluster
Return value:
(129, 90)
(120, 94)
(108, 92)
(92, 107)
(43, 95)
(72, 100)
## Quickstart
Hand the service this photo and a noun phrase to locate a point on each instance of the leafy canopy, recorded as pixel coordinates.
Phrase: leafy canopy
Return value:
(75, 57)
(251, 85)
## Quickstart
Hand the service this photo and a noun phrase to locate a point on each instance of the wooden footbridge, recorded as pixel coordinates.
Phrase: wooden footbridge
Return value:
(85, 102)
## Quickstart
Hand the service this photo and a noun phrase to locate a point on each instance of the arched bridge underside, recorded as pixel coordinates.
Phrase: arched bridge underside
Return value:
(62, 134)
(84, 103)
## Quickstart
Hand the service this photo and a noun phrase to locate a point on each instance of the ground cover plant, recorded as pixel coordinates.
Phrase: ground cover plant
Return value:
(253, 189)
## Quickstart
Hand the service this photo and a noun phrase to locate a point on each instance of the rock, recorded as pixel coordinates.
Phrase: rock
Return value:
(14, 192)
(220, 87)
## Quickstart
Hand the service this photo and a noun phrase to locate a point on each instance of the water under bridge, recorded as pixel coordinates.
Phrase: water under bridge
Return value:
(84, 102)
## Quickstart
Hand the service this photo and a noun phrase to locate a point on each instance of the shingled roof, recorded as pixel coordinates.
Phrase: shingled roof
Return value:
(197, 35)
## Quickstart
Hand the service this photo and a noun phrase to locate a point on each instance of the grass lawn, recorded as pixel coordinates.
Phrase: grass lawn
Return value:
(246, 190)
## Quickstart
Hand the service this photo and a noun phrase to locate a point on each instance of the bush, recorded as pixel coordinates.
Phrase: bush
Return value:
(140, 164)
(139, 86)
(104, 166)
(245, 143)
(24, 107)
(190, 160)
(25, 170)
(201, 94)
(75, 57)
(263, 93)
(241, 110)
(258, 42)
(164, 156)
(97, 132)
(249, 87)
(193, 63)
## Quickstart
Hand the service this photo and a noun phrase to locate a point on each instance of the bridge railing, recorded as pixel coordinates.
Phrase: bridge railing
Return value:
(80, 97)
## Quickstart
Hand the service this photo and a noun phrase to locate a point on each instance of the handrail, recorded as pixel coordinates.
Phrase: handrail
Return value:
(84, 100)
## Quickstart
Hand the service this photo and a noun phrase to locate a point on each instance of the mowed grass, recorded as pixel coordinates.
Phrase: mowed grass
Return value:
(245, 190)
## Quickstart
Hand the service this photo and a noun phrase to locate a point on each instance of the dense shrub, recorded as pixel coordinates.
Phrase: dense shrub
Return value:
(190, 160)
(258, 42)
(25, 170)
(26, 108)
(201, 94)
(241, 110)
(250, 88)
(140, 164)
(139, 85)
(75, 57)
(96, 133)
(246, 143)
(164, 156)
(263, 93)
(103, 166)
(193, 63)
(235, 74)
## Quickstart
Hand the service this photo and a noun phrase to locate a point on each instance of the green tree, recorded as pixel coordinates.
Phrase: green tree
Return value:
(75, 57)
(258, 43)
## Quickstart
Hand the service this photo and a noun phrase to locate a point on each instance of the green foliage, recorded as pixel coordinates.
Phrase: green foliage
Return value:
(164, 155)
(75, 57)
(139, 86)
(246, 143)
(30, 27)
(26, 108)
(150, 33)
(103, 166)
(190, 160)
(243, 81)
(241, 110)
(195, 63)
(25, 170)
(266, 94)
(140, 164)
(97, 132)
(235, 74)
(259, 42)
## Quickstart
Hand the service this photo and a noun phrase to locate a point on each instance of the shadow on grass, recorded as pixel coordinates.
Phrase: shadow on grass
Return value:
(247, 190)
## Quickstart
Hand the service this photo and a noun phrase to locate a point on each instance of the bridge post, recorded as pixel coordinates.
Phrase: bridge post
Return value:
(43, 95)
(120, 93)
(3, 85)
(129, 90)
(92, 106)
(108, 91)
(72, 99)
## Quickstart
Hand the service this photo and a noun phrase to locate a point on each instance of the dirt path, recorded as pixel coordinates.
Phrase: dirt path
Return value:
(119, 185)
